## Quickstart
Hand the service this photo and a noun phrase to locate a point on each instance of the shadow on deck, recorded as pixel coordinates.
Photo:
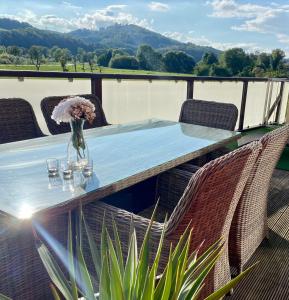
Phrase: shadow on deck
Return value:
(270, 279)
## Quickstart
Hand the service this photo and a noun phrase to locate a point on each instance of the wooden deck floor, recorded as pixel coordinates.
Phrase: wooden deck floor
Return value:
(270, 279)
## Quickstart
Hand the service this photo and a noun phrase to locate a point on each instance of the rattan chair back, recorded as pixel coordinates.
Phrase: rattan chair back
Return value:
(48, 104)
(209, 202)
(249, 226)
(17, 121)
(209, 113)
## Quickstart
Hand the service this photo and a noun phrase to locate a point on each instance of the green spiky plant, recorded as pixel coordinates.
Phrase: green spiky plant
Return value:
(133, 279)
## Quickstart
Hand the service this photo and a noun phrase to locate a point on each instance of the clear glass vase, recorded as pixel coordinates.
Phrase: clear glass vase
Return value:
(77, 150)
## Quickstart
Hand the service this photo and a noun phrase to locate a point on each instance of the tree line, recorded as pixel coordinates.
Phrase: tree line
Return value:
(232, 62)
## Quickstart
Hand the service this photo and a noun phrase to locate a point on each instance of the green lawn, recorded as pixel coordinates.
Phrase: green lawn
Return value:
(56, 67)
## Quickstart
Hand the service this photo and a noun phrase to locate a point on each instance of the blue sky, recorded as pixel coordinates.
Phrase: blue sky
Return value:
(253, 25)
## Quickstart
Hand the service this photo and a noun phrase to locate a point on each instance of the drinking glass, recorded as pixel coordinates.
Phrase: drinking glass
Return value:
(52, 166)
(67, 170)
(88, 168)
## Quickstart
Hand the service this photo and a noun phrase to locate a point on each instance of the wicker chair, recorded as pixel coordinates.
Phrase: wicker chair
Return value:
(209, 113)
(48, 104)
(249, 226)
(208, 202)
(17, 121)
(23, 275)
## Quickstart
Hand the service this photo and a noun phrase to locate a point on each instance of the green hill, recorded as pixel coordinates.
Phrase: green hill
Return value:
(127, 37)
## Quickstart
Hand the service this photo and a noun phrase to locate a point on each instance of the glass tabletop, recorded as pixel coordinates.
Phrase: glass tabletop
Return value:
(122, 156)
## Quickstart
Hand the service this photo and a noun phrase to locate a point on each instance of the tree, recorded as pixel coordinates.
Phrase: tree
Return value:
(235, 60)
(179, 62)
(202, 70)
(74, 59)
(263, 61)
(258, 72)
(6, 59)
(91, 59)
(62, 55)
(36, 54)
(118, 52)
(277, 57)
(2, 49)
(14, 50)
(104, 59)
(149, 59)
(81, 56)
(209, 58)
(124, 62)
(218, 70)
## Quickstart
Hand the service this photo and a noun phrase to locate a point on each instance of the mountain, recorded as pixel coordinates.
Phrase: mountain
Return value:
(24, 35)
(127, 37)
(123, 36)
(131, 36)
(12, 24)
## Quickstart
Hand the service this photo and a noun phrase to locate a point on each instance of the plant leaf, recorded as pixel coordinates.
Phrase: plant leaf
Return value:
(71, 261)
(104, 284)
(168, 279)
(54, 292)
(194, 288)
(84, 275)
(3, 297)
(148, 291)
(54, 271)
(130, 267)
(226, 289)
(115, 281)
(95, 253)
(118, 246)
(103, 242)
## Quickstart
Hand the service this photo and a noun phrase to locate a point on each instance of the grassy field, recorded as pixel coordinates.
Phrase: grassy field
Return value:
(70, 68)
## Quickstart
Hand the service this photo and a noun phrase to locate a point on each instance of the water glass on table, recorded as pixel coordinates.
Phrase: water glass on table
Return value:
(52, 167)
(88, 168)
(67, 170)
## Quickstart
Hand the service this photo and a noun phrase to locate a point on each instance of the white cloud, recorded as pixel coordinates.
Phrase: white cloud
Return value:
(233, 9)
(71, 6)
(158, 6)
(267, 19)
(203, 41)
(112, 14)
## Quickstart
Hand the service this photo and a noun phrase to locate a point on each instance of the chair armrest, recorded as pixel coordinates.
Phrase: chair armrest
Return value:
(97, 212)
(171, 186)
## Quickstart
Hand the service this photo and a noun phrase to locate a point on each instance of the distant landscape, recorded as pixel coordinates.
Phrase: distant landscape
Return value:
(126, 49)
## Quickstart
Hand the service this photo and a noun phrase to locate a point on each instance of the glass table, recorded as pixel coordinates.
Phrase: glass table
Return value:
(123, 155)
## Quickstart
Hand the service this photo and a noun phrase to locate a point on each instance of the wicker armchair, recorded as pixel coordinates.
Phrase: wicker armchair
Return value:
(249, 226)
(209, 113)
(17, 121)
(208, 202)
(23, 275)
(48, 104)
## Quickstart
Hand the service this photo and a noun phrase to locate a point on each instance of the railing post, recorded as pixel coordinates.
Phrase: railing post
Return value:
(243, 105)
(96, 88)
(278, 109)
(190, 89)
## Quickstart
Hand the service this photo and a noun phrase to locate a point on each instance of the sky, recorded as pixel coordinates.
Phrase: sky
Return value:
(253, 25)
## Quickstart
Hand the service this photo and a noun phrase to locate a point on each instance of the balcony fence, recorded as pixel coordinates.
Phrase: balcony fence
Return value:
(127, 98)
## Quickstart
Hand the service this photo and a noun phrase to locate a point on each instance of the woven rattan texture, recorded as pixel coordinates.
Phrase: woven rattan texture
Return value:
(23, 276)
(208, 202)
(17, 121)
(209, 113)
(249, 226)
(48, 104)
